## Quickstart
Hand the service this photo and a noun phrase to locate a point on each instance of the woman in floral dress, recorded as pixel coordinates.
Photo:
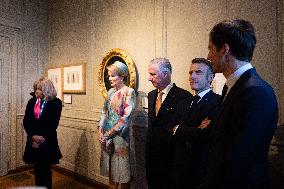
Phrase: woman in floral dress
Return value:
(114, 127)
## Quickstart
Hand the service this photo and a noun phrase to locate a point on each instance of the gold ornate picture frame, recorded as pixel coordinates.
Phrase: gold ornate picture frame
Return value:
(74, 78)
(112, 56)
(55, 74)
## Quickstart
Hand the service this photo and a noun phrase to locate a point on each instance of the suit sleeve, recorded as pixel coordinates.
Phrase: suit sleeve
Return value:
(189, 130)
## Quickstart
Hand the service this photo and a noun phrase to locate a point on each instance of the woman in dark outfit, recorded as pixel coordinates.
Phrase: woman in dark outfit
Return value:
(41, 120)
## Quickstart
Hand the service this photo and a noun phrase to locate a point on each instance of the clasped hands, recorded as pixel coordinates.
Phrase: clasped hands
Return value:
(37, 140)
(102, 137)
(204, 124)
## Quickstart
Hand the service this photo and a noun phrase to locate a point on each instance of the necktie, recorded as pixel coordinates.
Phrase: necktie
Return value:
(37, 109)
(195, 100)
(159, 101)
(224, 92)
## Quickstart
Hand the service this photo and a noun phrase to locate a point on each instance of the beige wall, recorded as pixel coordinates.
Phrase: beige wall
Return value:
(67, 32)
(22, 59)
(84, 31)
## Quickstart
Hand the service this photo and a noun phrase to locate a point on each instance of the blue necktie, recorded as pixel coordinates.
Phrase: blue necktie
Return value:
(195, 100)
(224, 92)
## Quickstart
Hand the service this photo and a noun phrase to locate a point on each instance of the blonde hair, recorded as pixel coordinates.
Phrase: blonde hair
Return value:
(48, 89)
(119, 68)
(36, 83)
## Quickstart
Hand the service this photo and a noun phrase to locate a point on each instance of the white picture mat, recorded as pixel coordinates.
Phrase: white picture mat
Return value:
(73, 78)
(67, 99)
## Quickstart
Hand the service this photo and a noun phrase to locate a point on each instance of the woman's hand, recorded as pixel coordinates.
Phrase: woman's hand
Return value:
(110, 133)
(101, 137)
(38, 139)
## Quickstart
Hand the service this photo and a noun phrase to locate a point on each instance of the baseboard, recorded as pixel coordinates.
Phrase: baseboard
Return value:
(80, 178)
(20, 169)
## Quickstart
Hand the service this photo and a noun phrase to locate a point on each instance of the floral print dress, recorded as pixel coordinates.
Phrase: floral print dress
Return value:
(116, 114)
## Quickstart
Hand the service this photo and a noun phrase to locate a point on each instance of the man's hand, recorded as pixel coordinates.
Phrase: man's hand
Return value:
(204, 124)
(175, 129)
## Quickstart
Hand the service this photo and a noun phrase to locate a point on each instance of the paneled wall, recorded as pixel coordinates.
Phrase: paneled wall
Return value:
(85, 30)
(37, 34)
(22, 59)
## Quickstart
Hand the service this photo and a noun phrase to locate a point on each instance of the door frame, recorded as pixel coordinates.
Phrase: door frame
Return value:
(14, 96)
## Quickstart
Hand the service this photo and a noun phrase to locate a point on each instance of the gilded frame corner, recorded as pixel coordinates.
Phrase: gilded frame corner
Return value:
(107, 60)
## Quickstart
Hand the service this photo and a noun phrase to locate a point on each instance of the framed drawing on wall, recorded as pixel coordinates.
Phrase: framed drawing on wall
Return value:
(110, 58)
(55, 75)
(74, 78)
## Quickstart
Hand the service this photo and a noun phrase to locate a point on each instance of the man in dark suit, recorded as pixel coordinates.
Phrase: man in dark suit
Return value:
(191, 137)
(161, 107)
(248, 116)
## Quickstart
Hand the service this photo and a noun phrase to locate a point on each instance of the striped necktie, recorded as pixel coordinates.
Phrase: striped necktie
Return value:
(159, 101)
(195, 100)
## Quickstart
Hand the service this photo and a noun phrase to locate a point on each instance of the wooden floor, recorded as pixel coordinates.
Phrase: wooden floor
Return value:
(60, 181)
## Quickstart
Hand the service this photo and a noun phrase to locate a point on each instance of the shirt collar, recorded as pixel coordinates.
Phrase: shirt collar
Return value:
(201, 94)
(168, 88)
(232, 79)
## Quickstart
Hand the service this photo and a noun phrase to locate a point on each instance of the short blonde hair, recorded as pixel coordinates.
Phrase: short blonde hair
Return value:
(36, 83)
(119, 68)
(48, 89)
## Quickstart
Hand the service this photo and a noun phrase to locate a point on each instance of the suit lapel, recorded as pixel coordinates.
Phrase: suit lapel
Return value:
(204, 100)
(168, 101)
(239, 84)
(152, 104)
(152, 99)
(233, 91)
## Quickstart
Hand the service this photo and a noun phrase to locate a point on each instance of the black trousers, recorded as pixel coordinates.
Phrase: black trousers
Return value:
(43, 175)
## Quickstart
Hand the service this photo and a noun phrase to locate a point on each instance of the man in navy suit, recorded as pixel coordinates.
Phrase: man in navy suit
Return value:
(190, 137)
(248, 115)
(161, 107)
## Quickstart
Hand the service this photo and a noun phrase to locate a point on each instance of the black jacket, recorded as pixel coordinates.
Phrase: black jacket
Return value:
(242, 135)
(45, 126)
(159, 135)
(191, 143)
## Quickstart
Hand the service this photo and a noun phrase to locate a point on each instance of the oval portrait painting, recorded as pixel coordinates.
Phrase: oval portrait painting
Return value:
(112, 56)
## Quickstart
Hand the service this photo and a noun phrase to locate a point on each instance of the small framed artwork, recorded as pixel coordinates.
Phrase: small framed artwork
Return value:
(74, 79)
(55, 75)
(67, 98)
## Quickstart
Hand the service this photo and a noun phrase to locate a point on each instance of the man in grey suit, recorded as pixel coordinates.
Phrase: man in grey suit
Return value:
(248, 115)
(161, 107)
